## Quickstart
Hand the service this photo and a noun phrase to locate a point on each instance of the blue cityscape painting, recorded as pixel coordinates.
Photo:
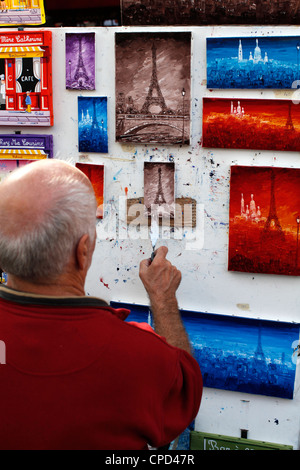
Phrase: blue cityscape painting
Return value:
(256, 62)
(92, 124)
(238, 354)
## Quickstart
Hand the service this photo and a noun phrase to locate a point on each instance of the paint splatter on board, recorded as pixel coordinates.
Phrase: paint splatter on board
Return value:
(105, 285)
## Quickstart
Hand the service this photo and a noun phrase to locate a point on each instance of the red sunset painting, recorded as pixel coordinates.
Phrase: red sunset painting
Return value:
(95, 174)
(251, 124)
(264, 220)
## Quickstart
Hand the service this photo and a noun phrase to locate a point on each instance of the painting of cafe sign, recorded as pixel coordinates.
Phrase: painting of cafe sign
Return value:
(26, 78)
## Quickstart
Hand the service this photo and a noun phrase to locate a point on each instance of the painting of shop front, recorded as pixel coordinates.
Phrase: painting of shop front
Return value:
(153, 73)
(19, 150)
(22, 12)
(26, 79)
(264, 220)
(237, 354)
(264, 62)
(251, 124)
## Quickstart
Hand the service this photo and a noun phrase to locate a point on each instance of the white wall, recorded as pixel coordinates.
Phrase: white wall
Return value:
(207, 285)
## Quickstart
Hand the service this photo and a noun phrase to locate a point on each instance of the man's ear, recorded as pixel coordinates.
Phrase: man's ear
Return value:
(83, 252)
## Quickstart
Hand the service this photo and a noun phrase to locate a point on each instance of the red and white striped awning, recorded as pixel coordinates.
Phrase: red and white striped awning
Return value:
(10, 52)
(22, 154)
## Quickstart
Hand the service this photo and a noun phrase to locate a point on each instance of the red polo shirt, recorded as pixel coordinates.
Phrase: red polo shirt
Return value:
(78, 377)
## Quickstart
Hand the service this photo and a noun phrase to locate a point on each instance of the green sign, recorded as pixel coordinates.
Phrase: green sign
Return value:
(205, 441)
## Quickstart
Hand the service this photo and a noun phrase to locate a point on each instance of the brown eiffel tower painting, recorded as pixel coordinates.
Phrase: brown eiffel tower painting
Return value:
(159, 189)
(264, 220)
(153, 75)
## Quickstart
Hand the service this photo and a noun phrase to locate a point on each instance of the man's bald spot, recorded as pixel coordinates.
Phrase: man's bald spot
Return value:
(27, 193)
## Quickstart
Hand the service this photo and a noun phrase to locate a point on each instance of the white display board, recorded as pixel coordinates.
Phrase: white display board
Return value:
(201, 254)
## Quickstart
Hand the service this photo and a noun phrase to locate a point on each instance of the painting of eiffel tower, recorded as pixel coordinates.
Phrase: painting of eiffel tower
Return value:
(80, 61)
(264, 224)
(159, 189)
(153, 75)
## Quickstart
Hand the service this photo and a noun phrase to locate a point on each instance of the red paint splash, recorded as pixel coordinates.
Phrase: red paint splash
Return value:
(105, 285)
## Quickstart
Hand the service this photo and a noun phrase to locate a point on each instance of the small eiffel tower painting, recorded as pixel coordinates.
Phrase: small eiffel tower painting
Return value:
(92, 124)
(159, 189)
(80, 61)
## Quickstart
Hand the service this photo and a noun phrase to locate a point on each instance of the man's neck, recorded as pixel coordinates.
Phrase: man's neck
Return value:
(56, 288)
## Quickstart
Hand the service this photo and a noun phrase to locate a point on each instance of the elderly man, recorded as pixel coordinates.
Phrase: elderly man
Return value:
(76, 375)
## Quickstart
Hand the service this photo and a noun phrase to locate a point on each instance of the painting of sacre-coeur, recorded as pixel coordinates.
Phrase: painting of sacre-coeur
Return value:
(80, 61)
(256, 124)
(159, 189)
(261, 62)
(95, 174)
(264, 220)
(209, 12)
(92, 124)
(153, 80)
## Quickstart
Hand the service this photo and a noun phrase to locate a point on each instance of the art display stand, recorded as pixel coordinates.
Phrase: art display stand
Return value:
(202, 200)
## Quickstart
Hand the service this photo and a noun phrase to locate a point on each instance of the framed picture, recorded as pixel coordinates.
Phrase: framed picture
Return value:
(26, 78)
(80, 61)
(235, 353)
(95, 174)
(153, 75)
(92, 124)
(22, 12)
(255, 124)
(261, 62)
(25, 147)
(159, 189)
(264, 220)
(19, 150)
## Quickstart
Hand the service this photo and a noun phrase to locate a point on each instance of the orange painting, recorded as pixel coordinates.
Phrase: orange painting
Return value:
(264, 220)
(251, 124)
(95, 174)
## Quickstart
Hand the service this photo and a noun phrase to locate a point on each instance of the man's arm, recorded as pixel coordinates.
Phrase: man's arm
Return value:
(161, 280)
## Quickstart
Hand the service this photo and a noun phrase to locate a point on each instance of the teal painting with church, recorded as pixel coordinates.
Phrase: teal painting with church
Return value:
(257, 62)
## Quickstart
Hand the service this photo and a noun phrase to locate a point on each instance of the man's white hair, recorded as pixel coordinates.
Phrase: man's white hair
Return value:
(42, 250)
